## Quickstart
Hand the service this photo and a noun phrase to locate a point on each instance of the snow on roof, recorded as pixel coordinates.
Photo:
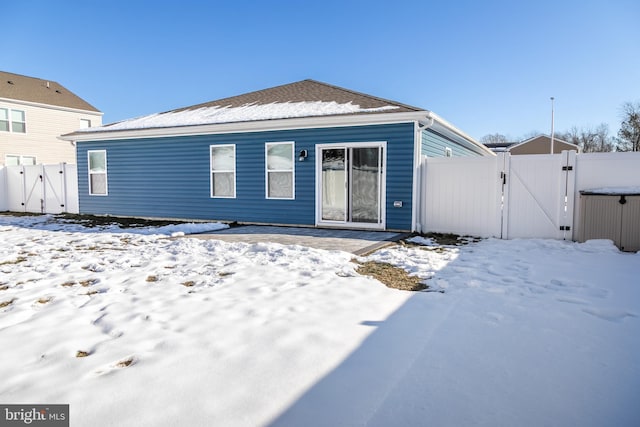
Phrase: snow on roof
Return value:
(244, 113)
(613, 191)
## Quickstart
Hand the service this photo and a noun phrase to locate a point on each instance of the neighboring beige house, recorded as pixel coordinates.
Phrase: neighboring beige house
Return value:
(540, 144)
(33, 114)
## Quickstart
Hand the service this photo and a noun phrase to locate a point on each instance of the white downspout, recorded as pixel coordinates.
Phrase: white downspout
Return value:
(417, 199)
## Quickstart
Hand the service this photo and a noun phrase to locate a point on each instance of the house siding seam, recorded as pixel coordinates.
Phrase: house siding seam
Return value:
(169, 177)
(434, 144)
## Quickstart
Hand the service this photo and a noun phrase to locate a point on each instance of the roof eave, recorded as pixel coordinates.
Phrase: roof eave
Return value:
(458, 133)
(51, 106)
(249, 126)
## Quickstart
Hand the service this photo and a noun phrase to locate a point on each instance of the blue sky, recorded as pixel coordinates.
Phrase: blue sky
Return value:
(487, 67)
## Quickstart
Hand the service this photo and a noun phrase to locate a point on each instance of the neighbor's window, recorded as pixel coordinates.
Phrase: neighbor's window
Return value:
(448, 152)
(16, 160)
(18, 123)
(85, 123)
(12, 120)
(97, 172)
(223, 171)
(280, 170)
(4, 119)
(27, 160)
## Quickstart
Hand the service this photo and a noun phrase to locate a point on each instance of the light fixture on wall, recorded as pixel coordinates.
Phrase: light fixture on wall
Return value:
(302, 156)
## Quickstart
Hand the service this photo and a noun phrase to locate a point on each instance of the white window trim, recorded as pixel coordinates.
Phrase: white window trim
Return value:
(10, 120)
(24, 122)
(20, 158)
(211, 171)
(448, 152)
(88, 121)
(383, 184)
(106, 177)
(293, 170)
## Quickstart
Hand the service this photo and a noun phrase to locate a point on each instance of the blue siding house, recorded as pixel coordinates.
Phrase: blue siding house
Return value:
(303, 154)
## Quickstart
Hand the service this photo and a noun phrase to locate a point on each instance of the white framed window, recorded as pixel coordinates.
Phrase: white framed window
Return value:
(4, 120)
(18, 121)
(13, 121)
(223, 171)
(280, 170)
(16, 160)
(28, 160)
(448, 152)
(97, 165)
(85, 123)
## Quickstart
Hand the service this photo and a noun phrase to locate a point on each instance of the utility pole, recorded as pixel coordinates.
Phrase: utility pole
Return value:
(552, 125)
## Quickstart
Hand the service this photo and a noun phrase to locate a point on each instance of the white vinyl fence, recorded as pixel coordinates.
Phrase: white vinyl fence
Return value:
(523, 196)
(39, 188)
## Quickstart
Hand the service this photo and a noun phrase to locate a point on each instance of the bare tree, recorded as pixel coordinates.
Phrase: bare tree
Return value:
(494, 138)
(590, 140)
(629, 133)
(531, 134)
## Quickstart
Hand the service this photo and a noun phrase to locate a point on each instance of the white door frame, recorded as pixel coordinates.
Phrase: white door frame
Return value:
(381, 225)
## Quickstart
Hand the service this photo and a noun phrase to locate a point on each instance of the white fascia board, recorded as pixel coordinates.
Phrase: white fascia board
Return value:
(51, 107)
(451, 128)
(253, 126)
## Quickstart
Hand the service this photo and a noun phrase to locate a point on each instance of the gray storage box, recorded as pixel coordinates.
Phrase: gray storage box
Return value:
(611, 213)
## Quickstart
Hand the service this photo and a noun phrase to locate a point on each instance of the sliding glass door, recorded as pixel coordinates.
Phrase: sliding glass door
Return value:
(365, 171)
(334, 176)
(351, 181)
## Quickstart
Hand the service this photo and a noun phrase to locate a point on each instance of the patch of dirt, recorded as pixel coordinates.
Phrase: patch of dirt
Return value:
(6, 303)
(92, 221)
(188, 283)
(44, 300)
(94, 268)
(18, 260)
(152, 278)
(392, 276)
(88, 282)
(445, 239)
(101, 221)
(124, 363)
(81, 353)
(8, 213)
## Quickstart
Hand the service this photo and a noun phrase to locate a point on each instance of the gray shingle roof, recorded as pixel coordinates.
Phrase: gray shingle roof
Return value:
(306, 91)
(32, 89)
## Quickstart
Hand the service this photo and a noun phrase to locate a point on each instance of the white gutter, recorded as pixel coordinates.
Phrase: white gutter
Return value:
(442, 122)
(249, 126)
(416, 200)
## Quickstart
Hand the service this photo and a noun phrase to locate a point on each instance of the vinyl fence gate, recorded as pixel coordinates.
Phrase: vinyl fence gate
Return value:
(522, 196)
(39, 188)
(538, 196)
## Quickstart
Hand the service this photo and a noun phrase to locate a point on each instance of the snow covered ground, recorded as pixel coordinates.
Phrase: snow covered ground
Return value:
(202, 333)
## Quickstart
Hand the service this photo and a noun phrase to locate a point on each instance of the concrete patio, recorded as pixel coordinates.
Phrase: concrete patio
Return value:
(358, 242)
